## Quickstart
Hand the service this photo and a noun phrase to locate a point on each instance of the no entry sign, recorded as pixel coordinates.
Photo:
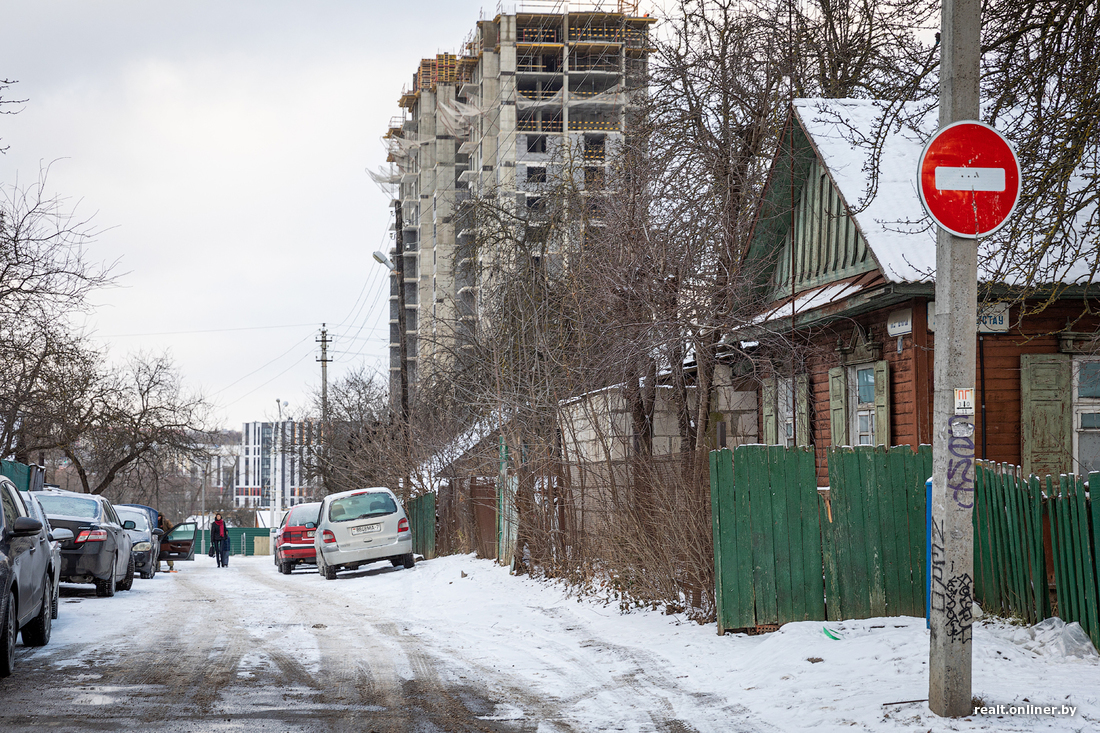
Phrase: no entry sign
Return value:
(969, 179)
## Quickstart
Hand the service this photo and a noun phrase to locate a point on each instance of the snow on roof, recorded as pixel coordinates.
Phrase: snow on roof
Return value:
(818, 297)
(430, 471)
(897, 230)
(899, 233)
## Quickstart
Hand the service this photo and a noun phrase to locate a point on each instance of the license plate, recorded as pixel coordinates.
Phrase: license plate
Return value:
(366, 528)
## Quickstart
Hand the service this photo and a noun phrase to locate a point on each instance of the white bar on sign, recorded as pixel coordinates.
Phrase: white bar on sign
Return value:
(970, 179)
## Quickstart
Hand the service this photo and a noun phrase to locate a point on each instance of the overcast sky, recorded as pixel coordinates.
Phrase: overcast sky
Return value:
(221, 147)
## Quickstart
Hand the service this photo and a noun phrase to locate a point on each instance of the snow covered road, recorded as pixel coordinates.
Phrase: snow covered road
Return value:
(456, 644)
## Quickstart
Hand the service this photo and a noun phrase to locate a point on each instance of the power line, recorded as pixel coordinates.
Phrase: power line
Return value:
(208, 330)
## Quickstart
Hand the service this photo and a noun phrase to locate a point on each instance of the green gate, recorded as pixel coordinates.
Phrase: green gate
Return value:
(422, 522)
(875, 539)
(767, 536)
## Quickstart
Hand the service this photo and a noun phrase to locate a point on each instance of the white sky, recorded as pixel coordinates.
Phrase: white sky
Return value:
(221, 147)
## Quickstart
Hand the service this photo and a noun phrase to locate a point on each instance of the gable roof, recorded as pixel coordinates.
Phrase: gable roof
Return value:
(898, 232)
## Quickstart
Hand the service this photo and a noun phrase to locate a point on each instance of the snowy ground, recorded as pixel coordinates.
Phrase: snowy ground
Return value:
(509, 653)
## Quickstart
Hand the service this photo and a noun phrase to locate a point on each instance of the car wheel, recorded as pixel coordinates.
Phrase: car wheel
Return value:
(397, 561)
(37, 632)
(7, 641)
(106, 588)
(128, 580)
(408, 560)
(55, 602)
(330, 572)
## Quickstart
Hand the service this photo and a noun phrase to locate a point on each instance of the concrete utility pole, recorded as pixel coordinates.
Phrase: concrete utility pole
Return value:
(952, 571)
(324, 341)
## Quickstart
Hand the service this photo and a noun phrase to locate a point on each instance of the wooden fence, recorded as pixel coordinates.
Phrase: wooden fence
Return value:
(1010, 575)
(767, 539)
(874, 545)
(421, 512)
(786, 552)
(1075, 541)
(1036, 540)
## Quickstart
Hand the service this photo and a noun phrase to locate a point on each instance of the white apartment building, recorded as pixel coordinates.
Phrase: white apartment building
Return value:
(274, 461)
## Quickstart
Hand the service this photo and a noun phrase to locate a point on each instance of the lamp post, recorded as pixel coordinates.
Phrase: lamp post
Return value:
(402, 339)
(279, 404)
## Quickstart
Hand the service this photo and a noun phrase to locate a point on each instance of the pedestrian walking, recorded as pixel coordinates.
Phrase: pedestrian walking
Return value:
(164, 525)
(219, 537)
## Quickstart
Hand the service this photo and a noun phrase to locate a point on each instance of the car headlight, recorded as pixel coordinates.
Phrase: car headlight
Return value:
(143, 547)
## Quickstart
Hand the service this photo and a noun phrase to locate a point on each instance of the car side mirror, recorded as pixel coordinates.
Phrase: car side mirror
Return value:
(158, 532)
(129, 524)
(26, 527)
(61, 534)
(311, 525)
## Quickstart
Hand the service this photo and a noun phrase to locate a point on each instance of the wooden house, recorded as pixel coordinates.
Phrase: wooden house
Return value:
(848, 262)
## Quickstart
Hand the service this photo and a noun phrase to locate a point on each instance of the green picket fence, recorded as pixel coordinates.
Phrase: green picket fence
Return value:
(1075, 541)
(875, 542)
(767, 537)
(1010, 576)
(871, 553)
(421, 513)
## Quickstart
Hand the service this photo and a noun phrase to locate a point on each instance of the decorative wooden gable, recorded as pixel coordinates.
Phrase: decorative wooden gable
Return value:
(804, 225)
(827, 246)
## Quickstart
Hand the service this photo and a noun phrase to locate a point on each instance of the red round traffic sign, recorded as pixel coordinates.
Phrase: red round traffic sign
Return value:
(969, 179)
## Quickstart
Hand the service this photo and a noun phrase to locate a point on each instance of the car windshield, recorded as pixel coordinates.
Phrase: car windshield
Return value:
(69, 506)
(359, 506)
(301, 515)
(140, 519)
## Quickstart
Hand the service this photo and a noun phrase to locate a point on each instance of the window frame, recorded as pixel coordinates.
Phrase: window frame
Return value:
(1079, 407)
(856, 408)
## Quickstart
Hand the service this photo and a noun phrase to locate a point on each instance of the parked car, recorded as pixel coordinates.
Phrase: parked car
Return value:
(146, 539)
(179, 543)
(25, 577)
(294, 538)
(54, 538)
(99, 552)
(359, 527)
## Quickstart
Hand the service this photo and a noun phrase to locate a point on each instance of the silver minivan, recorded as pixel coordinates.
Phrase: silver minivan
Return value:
(359, 527)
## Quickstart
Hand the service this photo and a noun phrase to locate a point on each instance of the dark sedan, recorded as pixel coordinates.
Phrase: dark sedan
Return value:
(26, 600)
(146, 539)
(99, 552)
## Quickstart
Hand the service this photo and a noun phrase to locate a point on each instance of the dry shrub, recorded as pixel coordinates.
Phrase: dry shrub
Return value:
(639, 529)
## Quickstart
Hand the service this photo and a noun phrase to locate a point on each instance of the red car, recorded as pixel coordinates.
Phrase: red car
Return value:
(294, 538)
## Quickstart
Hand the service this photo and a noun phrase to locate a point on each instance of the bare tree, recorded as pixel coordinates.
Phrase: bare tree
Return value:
(124, 420)
(44, 270)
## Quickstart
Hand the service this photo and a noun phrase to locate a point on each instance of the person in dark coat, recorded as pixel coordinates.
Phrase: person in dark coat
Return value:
(164, 525)
(219, 537)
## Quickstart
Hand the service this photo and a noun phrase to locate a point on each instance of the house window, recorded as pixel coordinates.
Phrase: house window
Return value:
(785, 411)
(863, 409)
(536, 174)
(859, 404)
(1086, 416)
(536, 143)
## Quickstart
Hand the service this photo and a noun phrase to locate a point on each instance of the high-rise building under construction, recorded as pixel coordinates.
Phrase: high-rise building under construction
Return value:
(493, 120)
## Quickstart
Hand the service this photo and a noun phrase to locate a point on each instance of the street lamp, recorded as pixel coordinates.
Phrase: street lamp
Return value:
(402, 338)
(279, 405)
